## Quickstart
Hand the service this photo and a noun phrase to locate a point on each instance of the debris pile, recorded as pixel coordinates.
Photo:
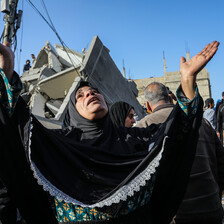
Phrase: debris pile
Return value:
(56, 72)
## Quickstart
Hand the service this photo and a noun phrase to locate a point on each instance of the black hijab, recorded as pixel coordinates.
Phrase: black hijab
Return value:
(90, 129)
(119, 112)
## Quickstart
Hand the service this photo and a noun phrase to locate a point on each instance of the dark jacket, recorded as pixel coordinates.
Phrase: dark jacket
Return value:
(202, 201)
(220, 119)
(26, 67)
(217, 107)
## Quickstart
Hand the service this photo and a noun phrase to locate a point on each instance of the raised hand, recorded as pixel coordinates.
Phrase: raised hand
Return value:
(7, 60)
(190, 69)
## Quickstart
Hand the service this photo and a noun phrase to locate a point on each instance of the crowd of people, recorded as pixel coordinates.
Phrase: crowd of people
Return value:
(101, 169)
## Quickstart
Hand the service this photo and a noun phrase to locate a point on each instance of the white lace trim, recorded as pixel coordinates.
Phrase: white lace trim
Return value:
(120, 195)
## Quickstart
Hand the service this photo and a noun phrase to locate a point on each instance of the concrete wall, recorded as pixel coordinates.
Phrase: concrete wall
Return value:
(172, 80)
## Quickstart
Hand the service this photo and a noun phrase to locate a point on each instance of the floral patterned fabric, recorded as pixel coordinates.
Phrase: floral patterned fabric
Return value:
(188, 106)
(68, 212)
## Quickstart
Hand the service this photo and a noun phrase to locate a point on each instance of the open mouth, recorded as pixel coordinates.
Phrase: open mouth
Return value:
(93, 99)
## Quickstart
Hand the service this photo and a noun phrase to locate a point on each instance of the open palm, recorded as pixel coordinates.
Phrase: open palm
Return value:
(190, 68)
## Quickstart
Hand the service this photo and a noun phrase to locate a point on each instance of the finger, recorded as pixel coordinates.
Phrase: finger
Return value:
(182, 60)
(204, 49)
(212, 50)
(208, 47)
(210, 54)
(215, 43)
(209, 51)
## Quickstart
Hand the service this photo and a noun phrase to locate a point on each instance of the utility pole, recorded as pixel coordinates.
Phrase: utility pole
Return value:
(12, 19)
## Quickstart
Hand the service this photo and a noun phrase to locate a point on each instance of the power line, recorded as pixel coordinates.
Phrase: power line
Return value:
(62, 42)
(51, 25)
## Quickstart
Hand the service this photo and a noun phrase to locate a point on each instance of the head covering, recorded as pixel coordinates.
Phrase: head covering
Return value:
(90, 128)
(119, 112)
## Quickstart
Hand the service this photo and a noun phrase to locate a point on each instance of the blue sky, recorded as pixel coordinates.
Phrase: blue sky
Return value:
(136, 31)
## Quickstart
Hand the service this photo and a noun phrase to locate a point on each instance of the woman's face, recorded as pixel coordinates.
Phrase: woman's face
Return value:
(90, 103)
(130, 120)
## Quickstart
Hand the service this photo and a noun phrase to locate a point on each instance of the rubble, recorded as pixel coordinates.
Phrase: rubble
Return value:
(56, 72)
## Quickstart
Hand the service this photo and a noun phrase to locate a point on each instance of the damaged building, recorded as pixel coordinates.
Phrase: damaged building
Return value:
(56, 72)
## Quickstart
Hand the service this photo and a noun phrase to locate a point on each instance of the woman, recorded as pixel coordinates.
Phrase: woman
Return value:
(122, 114)
(93, 166)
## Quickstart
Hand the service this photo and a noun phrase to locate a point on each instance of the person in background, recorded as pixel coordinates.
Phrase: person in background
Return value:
(27, 66)
(33, 57)
(122, 114)
(172, 97)
(218, 103)
(209, 113)
(220, 123)
(158, 103)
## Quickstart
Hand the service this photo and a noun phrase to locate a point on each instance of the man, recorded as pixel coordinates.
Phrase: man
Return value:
(219, 118)
(202, 203)
(158, 103)
(220, 123)
(219, 102)
(209, 113)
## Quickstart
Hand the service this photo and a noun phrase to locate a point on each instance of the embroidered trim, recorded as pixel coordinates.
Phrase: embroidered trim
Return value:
(120, 195)
(29, 139)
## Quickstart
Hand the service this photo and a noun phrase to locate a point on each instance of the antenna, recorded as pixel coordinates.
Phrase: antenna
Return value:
(187, 51)
(164, 63)
(124, 75)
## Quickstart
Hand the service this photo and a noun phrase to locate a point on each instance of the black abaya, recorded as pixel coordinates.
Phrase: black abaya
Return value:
(88, 170)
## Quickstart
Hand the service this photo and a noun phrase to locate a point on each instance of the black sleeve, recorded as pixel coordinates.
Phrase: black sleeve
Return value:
(220, 162)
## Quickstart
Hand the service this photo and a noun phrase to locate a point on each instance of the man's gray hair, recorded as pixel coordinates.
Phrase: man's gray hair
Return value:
(156, 92)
